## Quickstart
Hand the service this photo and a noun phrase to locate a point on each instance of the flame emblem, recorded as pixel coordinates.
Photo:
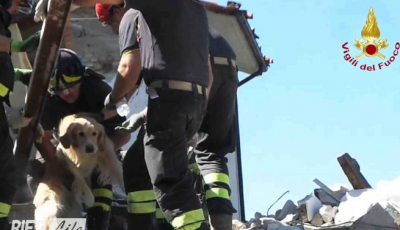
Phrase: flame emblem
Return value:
(371, 32)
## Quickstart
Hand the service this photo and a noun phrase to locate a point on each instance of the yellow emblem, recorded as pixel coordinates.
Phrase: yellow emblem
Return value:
(371, 32)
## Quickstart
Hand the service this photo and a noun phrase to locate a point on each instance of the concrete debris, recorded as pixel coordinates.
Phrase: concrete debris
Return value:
(327, 213)
(360, 209)
(288, 208)
(384, 217)
(313, 204)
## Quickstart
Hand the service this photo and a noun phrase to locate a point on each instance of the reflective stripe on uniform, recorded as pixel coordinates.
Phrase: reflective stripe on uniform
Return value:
(3, 90)
(141, 208)
(102, 192)
(160, 214)
(216, 177)
(104, 206)
(189, 220)
(142, 201)
(140, 196)
(4, 209)
(217, 192)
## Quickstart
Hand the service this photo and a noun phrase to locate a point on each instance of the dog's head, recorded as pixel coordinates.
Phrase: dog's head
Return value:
(82, 133)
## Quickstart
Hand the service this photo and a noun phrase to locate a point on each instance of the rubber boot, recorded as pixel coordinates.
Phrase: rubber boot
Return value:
(221, 222)
(97, 219)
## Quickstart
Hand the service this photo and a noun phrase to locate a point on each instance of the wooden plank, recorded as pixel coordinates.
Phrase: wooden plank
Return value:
(46, 56)
(352, 171)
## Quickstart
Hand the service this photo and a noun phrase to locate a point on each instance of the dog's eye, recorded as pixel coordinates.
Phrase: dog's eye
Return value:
(94, 133)
(81, 134)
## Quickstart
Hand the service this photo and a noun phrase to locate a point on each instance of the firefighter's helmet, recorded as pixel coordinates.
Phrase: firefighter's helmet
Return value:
(68, 72)
(103, 12)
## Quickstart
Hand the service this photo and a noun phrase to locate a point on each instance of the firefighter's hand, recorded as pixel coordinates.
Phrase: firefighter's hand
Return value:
(23, 75)
(133, 123)
(29, 44)
(16, 119)
(110, 103)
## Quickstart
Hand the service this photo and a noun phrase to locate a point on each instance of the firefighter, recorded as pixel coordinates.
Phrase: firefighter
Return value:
(216, 137)
(174, 66)
(73, 89)
(8, 174)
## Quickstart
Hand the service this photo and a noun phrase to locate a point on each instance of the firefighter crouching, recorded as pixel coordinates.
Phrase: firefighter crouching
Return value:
(8, 174)
(74, 89)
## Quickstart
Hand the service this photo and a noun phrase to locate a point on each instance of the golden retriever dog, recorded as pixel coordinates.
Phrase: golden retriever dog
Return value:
(83, 147)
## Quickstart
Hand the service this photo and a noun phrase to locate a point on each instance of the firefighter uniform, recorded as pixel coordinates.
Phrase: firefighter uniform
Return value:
(216, 136)
(8, 174)
(93, 90)
(173, 42)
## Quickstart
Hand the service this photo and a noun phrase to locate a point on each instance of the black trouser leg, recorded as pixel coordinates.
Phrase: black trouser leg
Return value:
(98, 216)
(140, 195)
(8, 174)
(172, 119)
(217, 138)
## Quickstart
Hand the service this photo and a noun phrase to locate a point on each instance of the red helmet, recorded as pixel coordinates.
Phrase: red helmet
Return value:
(102, 12)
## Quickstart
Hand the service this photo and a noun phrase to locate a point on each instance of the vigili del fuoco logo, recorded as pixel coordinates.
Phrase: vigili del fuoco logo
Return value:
(370, 48)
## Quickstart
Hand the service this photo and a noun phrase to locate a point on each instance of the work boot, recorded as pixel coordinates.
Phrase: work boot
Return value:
(221, 222)
(97, 219)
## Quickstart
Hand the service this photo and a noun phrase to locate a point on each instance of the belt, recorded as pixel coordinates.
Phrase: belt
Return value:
(179, 85)
(223, 61)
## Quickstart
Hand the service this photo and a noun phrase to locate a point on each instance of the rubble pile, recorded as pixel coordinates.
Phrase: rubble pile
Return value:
(336, 208)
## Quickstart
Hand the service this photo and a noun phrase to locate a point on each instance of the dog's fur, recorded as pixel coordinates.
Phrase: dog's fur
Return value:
(83, 147)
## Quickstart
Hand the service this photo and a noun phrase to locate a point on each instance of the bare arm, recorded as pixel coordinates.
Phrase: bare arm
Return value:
(88, 3)
(128, 74)
(5, 44)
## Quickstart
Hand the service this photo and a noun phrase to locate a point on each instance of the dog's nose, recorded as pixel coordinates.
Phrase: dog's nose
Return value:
(89, 148)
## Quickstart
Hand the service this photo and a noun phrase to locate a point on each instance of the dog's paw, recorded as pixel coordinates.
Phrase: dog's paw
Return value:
(88, 199)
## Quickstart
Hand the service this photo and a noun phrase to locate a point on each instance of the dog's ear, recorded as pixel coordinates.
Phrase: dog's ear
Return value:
(101, 138)
(66, 138)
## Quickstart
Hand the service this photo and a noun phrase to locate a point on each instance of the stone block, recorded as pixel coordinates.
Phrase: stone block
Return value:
(380, 217)
(312, 205)
(317, 220)
(288, 208)
(328, 213)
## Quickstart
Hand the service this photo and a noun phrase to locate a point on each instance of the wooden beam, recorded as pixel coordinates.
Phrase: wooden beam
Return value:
(45, 60)
(352, 171)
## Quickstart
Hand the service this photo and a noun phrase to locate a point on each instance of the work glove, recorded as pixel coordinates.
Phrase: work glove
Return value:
(23, 75)
(133, 123)
(16, 119)
(111, 103)
(29, 44)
